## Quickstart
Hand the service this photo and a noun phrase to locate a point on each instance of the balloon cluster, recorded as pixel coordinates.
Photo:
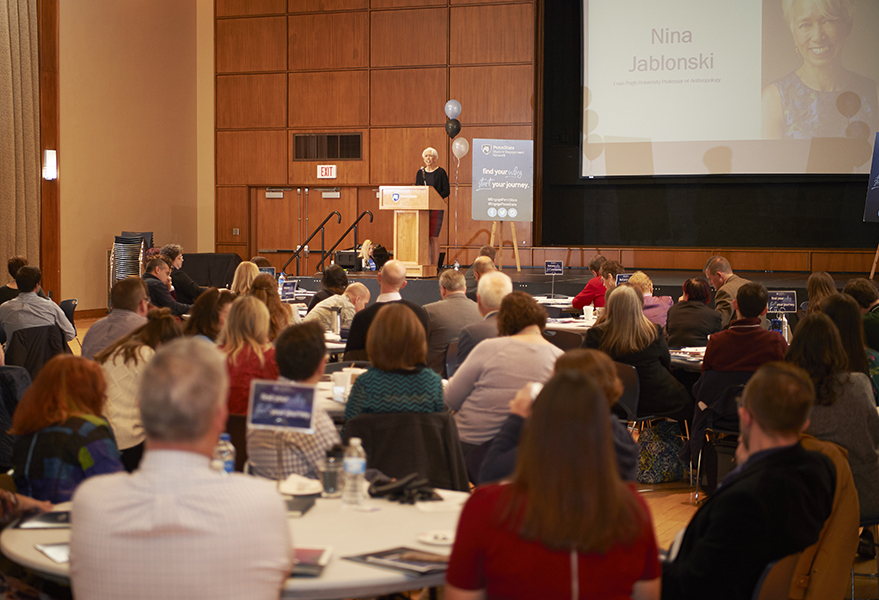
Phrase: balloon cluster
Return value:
(453, 126)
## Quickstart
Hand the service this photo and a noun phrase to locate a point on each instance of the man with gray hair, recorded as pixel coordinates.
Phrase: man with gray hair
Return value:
(491, 291)
(175, 528)
(469, 275)
(721, 277)
(448, 317)
(481, 266)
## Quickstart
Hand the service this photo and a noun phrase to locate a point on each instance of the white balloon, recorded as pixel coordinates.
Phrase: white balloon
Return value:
(460, 148)
(453, 109)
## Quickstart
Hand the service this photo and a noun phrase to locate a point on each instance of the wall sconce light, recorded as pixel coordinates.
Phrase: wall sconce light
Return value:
(50, 165)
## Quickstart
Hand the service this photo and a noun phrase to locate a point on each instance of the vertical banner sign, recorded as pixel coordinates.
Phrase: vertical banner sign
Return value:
(503, 180)
(871, 210)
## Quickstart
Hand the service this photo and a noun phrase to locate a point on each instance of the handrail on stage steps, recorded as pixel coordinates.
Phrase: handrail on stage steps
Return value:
(298, 251)
(339, 241)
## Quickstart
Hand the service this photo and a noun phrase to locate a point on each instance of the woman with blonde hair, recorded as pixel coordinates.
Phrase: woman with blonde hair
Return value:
(249, 354)
(367, 262)
(244, 276)
(436, 177)
(500, 459)
(398, 381)
(265, 288)
(62, 437)
(627, 336)
(566, 526)
(655, 307)
(124, 362)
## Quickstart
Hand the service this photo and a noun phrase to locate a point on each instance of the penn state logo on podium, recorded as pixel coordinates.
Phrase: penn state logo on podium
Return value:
(396, 197)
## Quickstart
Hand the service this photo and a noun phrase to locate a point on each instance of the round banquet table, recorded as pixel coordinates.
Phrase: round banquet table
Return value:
(347, 531)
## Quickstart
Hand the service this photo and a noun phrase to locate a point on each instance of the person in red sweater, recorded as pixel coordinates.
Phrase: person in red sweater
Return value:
(605, 273)
(745, 346)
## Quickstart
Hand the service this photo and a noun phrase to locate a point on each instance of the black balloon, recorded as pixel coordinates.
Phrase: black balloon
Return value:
(453, 127)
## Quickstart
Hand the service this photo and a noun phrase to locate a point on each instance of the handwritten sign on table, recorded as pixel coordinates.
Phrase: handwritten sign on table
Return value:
(782, 302)
(281, 405)
(553, 267)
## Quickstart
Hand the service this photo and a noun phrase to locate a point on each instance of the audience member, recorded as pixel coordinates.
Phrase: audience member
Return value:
(391, 279)
(448, 317)
(398, 381)
(470, 278)
(301, 353)
(774, 503)
(158, 278)
(819, 286)
(865, 294)
(249, 355)
(265, 289)
(28, 309)
(130, 300)
(481, 388)
(367, 261)
(500, 460)
(627, 336)
(261, 262)
(566, 526)
(845, 410)
(744, 346)
(209, 313)
(608, 272)
(481, 266)
(62, 437)
(334, 281)
(490, 293)
(655, 307)
(245, 273)
(10, 290)
(845, 314)
(721, 277)
(187, 290)
(175, 528)
(352, 301)
(691, 321)
(124, 363)
(593, 292)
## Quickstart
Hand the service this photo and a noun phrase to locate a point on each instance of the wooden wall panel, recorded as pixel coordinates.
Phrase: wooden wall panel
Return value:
(232, 213)
(409, 37)
(50, 133)
(349, 172)
(405, 3)
(854, 261)
(325, 5)
(381, 230)
(258, 44)
(239, 249)
(396, 153)
(329, 99)
(570, 257)
(479, 90)
(246, 101)
(478, 233)
(648, 258)
(492, 34)
(766, 260)
(276, 220)
(235, 8)
(407, 97)
(498, 132)
(454, 2)
(251, 157)
(328, 41)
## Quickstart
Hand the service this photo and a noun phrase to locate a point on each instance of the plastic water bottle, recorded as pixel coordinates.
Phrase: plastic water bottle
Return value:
(281, 279)
(353, 494)
(224, 455)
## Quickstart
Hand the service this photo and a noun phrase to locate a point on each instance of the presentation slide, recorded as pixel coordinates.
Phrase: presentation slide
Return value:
(698, 87)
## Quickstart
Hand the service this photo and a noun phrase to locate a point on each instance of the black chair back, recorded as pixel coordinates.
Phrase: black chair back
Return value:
(631, 390)
(13, 383)
(451, 359)
(68, 307)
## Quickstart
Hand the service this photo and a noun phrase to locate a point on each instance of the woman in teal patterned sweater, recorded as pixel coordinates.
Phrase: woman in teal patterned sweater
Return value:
(399, 380)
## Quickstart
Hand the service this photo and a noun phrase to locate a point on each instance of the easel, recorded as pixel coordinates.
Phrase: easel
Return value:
(495, 229)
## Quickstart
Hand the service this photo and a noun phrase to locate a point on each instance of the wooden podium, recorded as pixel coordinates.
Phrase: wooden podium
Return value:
(412, 205)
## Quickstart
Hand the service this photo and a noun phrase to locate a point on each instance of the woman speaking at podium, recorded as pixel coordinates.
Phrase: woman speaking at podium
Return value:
(436, 177)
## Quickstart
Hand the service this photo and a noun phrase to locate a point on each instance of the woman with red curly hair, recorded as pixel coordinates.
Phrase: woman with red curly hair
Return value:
(63, 439)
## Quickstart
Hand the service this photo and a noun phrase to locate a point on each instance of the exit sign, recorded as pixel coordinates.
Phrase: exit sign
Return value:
(326, 171)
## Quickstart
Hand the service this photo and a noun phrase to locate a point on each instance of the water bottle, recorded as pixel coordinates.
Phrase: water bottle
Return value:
(457, 264)
(224, 455)
(353, 493)
(281, 279)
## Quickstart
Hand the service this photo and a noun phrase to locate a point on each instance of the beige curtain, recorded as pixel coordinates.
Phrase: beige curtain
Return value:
(19, 132)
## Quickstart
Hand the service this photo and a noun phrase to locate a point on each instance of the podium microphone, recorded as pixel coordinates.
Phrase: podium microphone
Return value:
(423, 176)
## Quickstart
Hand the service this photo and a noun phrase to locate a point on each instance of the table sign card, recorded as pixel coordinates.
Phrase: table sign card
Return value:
(623, 278)
(553, 267)
(782, 302)
(281, 406)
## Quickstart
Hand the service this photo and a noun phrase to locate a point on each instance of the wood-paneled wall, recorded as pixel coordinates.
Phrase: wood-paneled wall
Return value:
(380, 68)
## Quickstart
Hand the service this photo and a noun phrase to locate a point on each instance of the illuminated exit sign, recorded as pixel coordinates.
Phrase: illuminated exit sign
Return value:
(326, 171)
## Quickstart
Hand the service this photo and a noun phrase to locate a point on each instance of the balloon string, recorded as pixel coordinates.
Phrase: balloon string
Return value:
(457, 166)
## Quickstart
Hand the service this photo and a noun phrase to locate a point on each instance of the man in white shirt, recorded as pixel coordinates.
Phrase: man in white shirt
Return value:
(175, 528)
(29, 310)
